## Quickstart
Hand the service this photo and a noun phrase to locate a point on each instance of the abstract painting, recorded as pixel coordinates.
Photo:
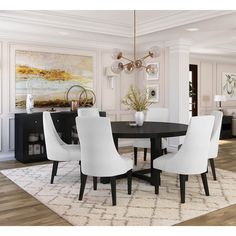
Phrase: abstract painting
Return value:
(48, 76)
(229, 85)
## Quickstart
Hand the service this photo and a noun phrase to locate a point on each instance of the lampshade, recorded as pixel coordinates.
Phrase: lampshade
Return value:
(220, 98)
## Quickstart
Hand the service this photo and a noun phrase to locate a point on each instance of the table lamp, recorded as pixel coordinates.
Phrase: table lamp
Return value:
(220, 98)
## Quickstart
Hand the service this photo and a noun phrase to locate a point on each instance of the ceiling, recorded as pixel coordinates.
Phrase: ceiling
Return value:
(216, 35)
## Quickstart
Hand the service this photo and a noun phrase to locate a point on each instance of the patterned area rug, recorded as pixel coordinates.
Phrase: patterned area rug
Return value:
(143, 207)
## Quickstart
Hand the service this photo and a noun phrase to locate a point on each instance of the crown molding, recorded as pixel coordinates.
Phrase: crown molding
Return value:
(177, 18)
(62, 21)
(212, 58)
(80, 42)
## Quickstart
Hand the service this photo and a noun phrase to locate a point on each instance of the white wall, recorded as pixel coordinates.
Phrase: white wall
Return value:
(108, 99)
(210, 71)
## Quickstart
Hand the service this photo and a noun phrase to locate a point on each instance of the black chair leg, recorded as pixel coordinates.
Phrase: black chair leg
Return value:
(57, 162)
(54, 170)
(135, 155)
(164, 151)
(157, 178)
(205, 184)
(113, 190)
(213, 168)
(182, 179)
(95, 181)
(82, 186)
(186, 177)
(129, 181)
(145, 154)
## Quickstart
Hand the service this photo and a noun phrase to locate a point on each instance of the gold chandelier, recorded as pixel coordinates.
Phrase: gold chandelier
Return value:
(136, 63)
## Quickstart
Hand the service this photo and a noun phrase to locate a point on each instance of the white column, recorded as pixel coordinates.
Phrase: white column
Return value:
(178, 83)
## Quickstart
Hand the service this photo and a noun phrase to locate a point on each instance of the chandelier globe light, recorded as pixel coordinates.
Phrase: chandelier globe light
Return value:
(133, 64)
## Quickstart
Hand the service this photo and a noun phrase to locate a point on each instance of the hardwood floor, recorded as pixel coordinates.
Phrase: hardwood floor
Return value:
(20, 209)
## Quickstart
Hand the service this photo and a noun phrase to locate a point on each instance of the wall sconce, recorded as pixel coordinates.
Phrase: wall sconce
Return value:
(110, 76)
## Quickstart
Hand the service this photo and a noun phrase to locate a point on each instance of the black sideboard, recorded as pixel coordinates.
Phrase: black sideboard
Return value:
(227, 127)
(29, 137)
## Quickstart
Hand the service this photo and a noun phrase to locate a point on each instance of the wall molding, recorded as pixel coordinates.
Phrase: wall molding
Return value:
(177, 18)
(1, 133)
(213, 58)
(11, 140)
(62, 20)
(1, 69)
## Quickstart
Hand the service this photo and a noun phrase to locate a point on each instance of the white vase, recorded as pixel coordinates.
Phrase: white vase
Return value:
(139, 118)
(29, 103)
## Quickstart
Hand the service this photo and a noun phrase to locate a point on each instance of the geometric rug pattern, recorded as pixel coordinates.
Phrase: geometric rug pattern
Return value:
(143, 207)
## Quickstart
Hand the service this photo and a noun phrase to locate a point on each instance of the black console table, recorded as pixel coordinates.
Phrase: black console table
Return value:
(226, 128)
(29, 137)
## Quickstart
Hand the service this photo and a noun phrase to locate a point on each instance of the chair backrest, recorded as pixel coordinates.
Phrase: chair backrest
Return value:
(98, 151)
(215, 136)
(193, 154)
(52, 139)
(88, 112)
(157, 114)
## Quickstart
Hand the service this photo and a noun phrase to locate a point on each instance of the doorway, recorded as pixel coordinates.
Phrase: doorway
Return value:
(193, 105)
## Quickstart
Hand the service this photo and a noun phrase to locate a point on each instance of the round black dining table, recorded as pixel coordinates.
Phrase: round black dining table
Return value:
(155, 131)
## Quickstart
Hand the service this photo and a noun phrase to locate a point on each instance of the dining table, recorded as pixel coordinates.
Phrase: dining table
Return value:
(154, 131)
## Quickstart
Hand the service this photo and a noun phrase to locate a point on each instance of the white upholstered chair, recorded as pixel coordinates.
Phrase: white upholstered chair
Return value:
(153, 114)
(192, 157)
(56, 149)
(99, 157)
(214, 143)
(88, 111)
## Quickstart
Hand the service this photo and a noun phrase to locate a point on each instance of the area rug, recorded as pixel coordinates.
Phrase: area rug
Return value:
(143, 207)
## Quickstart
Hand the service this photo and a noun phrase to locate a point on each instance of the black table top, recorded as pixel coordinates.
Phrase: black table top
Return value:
(122, 129)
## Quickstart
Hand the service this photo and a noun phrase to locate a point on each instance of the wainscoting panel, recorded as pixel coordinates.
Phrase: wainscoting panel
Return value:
(1, 58)
(113, 117)
(206, 84)
(0, 134)
(127, 117)
(11, 134)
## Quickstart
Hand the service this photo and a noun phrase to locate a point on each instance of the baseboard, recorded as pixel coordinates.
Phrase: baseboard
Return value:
(7, 157)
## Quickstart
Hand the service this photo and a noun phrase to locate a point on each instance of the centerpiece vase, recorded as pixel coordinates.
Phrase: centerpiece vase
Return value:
(139, 118)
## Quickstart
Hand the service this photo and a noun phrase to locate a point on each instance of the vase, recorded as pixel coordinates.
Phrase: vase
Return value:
(29, 103)
(139, 118)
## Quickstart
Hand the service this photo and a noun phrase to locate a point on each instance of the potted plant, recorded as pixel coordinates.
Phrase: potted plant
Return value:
(137, 100)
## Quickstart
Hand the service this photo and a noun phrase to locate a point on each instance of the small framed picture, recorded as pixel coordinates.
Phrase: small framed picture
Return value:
(153, 92)
(154, 71)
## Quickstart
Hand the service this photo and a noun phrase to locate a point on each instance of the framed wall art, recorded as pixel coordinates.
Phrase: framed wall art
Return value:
(153, 92)
(155, 72)
(48, 75)
(229, 85)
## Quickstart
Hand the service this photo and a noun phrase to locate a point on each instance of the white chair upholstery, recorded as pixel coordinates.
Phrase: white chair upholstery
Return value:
(192, 157)
(214, 143)
(156, 115)
(91, 112)
(56, 149)
(99, 157)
